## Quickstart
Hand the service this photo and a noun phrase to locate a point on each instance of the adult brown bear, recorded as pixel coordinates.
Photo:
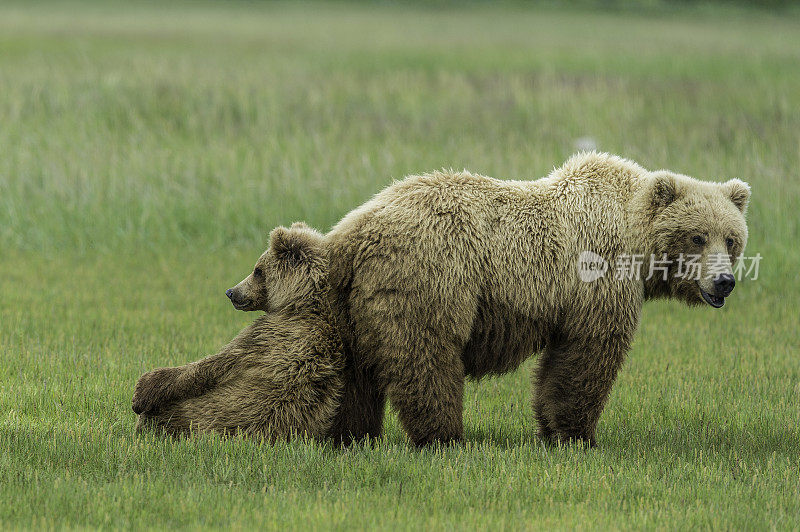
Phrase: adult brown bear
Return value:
(450, 274)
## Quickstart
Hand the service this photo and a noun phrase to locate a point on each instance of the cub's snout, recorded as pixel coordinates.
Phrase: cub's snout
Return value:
(239, 300)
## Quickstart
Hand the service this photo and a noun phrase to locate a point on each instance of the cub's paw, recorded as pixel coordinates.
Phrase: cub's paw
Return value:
(154, 388)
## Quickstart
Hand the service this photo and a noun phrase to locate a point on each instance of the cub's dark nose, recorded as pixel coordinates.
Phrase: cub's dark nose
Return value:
(723, 285)
(229, 293)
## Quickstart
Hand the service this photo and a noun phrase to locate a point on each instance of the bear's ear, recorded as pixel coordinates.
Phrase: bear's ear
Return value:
(739, 192)
(286, 244)
(300, 244)
(665, 190)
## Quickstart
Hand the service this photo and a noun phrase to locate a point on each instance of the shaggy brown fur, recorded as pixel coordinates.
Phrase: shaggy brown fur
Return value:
(281, 375)
(449, 275)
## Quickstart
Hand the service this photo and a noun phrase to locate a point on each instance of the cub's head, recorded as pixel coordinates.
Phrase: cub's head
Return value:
(701, 228)
(292, 270)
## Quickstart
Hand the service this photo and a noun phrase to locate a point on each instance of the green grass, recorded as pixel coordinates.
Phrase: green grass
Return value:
(146, 151)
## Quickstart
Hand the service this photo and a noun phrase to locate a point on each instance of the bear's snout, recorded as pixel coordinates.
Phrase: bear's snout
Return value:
(723, 284)
(239, 301)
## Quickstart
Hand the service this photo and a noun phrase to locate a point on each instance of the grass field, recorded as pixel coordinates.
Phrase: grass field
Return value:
(145, 153)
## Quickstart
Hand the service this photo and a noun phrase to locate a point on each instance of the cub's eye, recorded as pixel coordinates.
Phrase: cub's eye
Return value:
(729, 242)
(258, 272)
(699, 240)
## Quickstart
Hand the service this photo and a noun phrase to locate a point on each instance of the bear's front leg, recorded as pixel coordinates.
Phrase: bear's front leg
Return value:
(426, 387)
(156, 388)
(574, 378)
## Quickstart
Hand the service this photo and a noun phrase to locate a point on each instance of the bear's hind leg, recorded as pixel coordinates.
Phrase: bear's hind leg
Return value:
(156, 388)
(363, 402)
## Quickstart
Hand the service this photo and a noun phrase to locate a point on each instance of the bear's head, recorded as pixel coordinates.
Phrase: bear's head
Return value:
(701, 228)
(292, 271)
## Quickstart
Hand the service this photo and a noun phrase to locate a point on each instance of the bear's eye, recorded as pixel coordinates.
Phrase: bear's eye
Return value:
(258, 272)
(729, 242)
(699, 240)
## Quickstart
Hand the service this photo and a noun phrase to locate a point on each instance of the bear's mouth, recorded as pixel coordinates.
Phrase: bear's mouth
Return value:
(714, 301)
(242, 305)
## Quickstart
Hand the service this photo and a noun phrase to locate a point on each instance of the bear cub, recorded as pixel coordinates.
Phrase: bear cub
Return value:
(280, 376)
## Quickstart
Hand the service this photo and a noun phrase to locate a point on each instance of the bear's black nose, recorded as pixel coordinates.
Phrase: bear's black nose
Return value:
(723, 284)
(229, 293)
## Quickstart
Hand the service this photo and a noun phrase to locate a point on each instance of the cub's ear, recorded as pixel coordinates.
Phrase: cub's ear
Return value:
(665, 190)
(298, 245)
(739, 192)
(300, 225)
(286, 244)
